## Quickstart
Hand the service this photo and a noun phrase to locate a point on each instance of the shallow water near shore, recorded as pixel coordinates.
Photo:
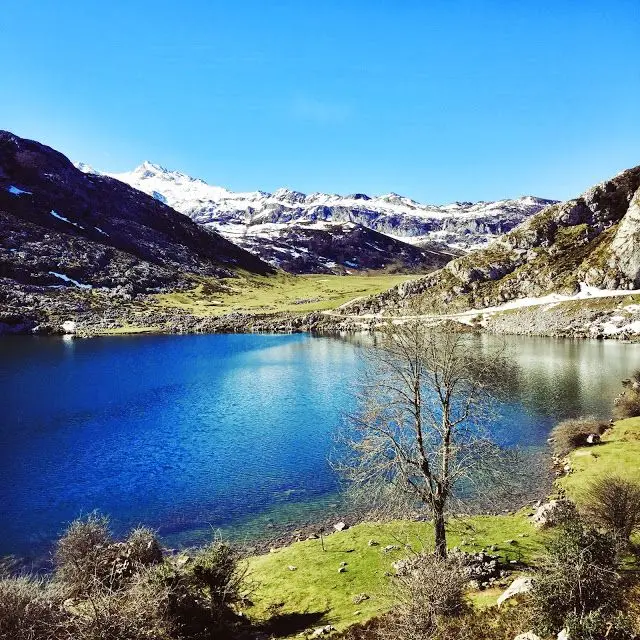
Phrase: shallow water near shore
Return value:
(189, 434)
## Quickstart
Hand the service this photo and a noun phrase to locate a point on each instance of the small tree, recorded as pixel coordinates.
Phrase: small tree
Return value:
(613, 503)
(419, 433)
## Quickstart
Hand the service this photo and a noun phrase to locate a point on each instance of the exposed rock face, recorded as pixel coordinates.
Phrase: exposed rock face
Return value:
(556, 250)
(65, 232)
(335, 247)
(626, 243)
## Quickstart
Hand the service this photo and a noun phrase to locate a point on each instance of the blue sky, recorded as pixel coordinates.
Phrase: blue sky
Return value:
(437, 100)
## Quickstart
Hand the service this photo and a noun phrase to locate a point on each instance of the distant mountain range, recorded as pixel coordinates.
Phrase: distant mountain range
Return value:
(331, 233)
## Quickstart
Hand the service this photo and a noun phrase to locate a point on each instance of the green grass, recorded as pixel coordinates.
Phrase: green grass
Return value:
(316, 586)
(618, 454)
(276, 294)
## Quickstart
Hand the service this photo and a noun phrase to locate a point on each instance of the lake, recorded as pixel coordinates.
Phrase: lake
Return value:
(188, 434)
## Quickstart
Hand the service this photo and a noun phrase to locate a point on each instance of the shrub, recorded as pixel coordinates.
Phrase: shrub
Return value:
(29, 609)
(578, 579)
(571, 434)
(88, 560)
(141, 611)
(431, 588)
(627, 404)
(613, 503)
(82, 556)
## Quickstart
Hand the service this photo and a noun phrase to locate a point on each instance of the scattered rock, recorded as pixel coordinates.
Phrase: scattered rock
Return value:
(361, 597)
(321, 631)
(517, 588)
(553, 513)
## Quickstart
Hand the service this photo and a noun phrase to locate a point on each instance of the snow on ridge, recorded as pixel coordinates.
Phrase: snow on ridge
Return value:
(16, 191)
(66, 278)
(460, 224)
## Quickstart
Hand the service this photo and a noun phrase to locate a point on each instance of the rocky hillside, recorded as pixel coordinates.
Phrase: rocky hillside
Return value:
(65, 233)
(277, 226)
(592, 240)
(339, 247)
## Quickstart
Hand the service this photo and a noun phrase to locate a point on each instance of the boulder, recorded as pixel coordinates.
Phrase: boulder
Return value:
(553, 512)
(529, 635)
(340, 526)
(68, 327)
(518, 587)
(593, 438)
(563, 635)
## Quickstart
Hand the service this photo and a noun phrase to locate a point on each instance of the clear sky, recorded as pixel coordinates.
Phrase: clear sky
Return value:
(438, 100)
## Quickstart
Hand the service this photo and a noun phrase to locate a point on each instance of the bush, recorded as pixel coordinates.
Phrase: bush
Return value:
(29, 609)
(571, 434)
(578, 580)
(613, 503)
(429, 590)
(627, 404)
(141, 611)
(88, 560)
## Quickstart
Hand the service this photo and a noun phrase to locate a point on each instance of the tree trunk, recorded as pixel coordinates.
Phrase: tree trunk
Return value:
(440, 532)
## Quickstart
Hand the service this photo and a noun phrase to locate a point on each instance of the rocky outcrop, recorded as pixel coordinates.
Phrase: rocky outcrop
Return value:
(556, 250)
(625, 246)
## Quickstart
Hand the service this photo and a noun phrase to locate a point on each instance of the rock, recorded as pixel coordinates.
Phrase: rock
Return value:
(68, 327)
(517, 588)
(593, 438)
(321, 631)
(553, 513)
(340, 526)
(510, 542)
(626, 243)
(361, 597)
(563, 635)
(391, 547)
(373, 543)
(292, 568)
(343, 564)
(313, 536)
(529, 635)
(342, 569)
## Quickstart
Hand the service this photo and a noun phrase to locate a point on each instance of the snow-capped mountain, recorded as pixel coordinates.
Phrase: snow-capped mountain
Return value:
(267, 223)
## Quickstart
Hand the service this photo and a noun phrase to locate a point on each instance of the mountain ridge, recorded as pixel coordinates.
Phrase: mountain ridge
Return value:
(270, 223)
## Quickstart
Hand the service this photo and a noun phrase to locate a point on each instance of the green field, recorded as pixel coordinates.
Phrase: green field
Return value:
(276, 294)
(618, 454)
(318, 590)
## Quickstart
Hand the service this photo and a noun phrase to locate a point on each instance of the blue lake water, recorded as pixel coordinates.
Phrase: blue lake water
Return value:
(192, 433)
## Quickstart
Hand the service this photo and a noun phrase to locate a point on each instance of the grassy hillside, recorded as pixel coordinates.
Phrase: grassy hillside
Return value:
(317, 587)
(278, 293)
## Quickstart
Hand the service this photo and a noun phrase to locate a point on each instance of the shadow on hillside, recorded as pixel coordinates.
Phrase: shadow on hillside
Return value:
(285, 624)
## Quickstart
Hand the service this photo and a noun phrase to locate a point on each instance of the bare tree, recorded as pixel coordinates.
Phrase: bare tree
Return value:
(419, 432)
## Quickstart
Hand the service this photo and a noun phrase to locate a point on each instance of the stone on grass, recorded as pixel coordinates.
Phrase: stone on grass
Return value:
(339, 526)
(518, 587)
(373, 543)
(529, 635)
(292, 568)
(361, 597)
(553, 513)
